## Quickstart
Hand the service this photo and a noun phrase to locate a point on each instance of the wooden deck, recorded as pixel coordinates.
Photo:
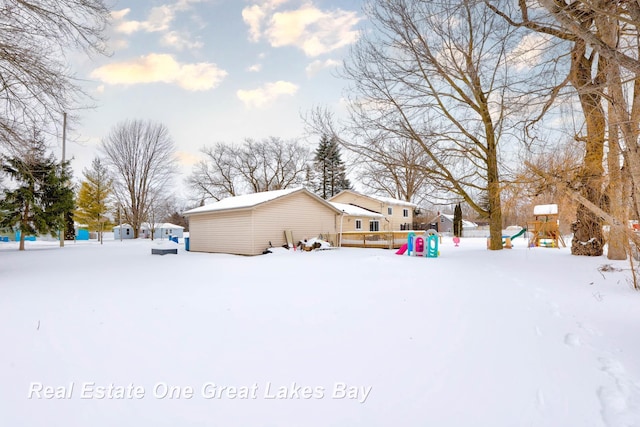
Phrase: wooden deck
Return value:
(375, 239)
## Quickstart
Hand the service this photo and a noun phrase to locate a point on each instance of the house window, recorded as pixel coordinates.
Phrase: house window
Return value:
(374, 225)
(405, 213)
(127, 231)
(389, 210)
(358, 224)
(441, 219)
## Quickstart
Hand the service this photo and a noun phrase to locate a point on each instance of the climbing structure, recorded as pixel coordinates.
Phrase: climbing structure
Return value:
(545, 228)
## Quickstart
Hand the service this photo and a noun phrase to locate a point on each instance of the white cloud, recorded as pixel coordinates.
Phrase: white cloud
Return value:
(529, 51)
(179, 41)
(254, 16)
(254, 68)
(161, 68)
(316, 66)
(266, 94)
(159, 19)
(308, 28)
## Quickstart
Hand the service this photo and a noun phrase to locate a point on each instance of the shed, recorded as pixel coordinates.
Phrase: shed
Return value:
(126, 233)
(245, 225)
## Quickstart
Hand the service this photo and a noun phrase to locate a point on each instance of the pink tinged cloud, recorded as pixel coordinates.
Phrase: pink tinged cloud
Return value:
(161, 68)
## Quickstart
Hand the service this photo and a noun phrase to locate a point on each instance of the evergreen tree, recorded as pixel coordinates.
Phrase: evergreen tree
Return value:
(93, 197)
(330, 169)
(457, 221)
(41, 196)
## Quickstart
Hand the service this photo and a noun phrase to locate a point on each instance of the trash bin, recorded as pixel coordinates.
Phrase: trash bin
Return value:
(186, 244)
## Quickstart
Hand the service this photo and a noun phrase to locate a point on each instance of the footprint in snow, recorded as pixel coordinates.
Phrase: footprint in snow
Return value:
(572, 340)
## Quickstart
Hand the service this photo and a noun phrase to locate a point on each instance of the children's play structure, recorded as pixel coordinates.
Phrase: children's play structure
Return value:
(545, 228)
(422, 244)
(506, 239)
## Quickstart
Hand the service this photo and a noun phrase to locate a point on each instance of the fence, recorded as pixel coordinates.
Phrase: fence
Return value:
(374, 239)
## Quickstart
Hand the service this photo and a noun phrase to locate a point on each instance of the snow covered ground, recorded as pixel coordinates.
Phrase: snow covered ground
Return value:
(104, 335)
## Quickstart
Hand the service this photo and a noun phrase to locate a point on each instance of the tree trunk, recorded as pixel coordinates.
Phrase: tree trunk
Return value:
(587, 230)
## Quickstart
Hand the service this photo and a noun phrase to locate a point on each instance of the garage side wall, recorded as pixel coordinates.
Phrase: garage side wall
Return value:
(299, 212)
(224, 232)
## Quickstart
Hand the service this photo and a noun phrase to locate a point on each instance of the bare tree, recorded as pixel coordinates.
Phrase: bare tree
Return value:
(435, 74)
(141, 156)
(215, 177)
(396, 168)
(254, 166)
(605, 72)
(36, 85)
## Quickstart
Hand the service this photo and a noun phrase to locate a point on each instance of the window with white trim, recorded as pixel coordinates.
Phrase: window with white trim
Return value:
(405, 213)
(358, 224)
(389, 210)
(374, 225)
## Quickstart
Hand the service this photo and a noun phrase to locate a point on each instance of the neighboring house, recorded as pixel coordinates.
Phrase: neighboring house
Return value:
(356, 218)
(161, 231)
(247, 225)
(396, 214)
(124, 231)
(443, 223)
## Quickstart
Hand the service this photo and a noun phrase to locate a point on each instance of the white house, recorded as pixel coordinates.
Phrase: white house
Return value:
(161, 230)
(126, 233)
(443, 223)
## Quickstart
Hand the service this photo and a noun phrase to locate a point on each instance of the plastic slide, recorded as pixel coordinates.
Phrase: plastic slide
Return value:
(519, 233)
(402, 249)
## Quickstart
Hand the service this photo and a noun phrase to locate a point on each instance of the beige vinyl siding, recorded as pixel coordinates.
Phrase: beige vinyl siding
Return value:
(223, 232)
(397, 219)
(349, 223)
(363, 202)
(394, 220)
(299, 212)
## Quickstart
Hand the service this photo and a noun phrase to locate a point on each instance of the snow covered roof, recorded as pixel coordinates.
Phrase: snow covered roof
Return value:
(251, 200)
(382, 199)
(465, 223)
(158, 226)
(545, 209)
(353, 210)
(123, 226)
(392, 201)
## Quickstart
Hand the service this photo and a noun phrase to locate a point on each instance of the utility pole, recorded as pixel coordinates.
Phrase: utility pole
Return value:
(64, 142)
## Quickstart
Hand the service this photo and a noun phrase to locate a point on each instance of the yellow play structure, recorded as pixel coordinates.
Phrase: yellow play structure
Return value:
(545, 228)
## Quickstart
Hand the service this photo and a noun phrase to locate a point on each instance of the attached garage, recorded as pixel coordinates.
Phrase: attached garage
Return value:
(245, 225)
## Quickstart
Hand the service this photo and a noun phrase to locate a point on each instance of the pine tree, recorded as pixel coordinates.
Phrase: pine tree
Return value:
(330, 169)
(93, 197)
(457, 221)
(41, 195)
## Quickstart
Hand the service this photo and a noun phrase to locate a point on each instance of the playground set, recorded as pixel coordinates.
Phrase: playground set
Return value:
(545, 228)
(421, 244)
(507, 240)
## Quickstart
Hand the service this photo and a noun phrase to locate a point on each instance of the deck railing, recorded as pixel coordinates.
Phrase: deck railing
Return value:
(374, 239)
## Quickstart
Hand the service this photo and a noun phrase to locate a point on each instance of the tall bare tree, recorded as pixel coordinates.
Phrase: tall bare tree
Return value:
(396, 168)
(36, 84)
(605, 72)
(141, 157)
(435, 73)
(254, 166)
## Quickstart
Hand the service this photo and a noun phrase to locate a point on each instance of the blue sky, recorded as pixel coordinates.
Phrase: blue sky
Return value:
(216, 70)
